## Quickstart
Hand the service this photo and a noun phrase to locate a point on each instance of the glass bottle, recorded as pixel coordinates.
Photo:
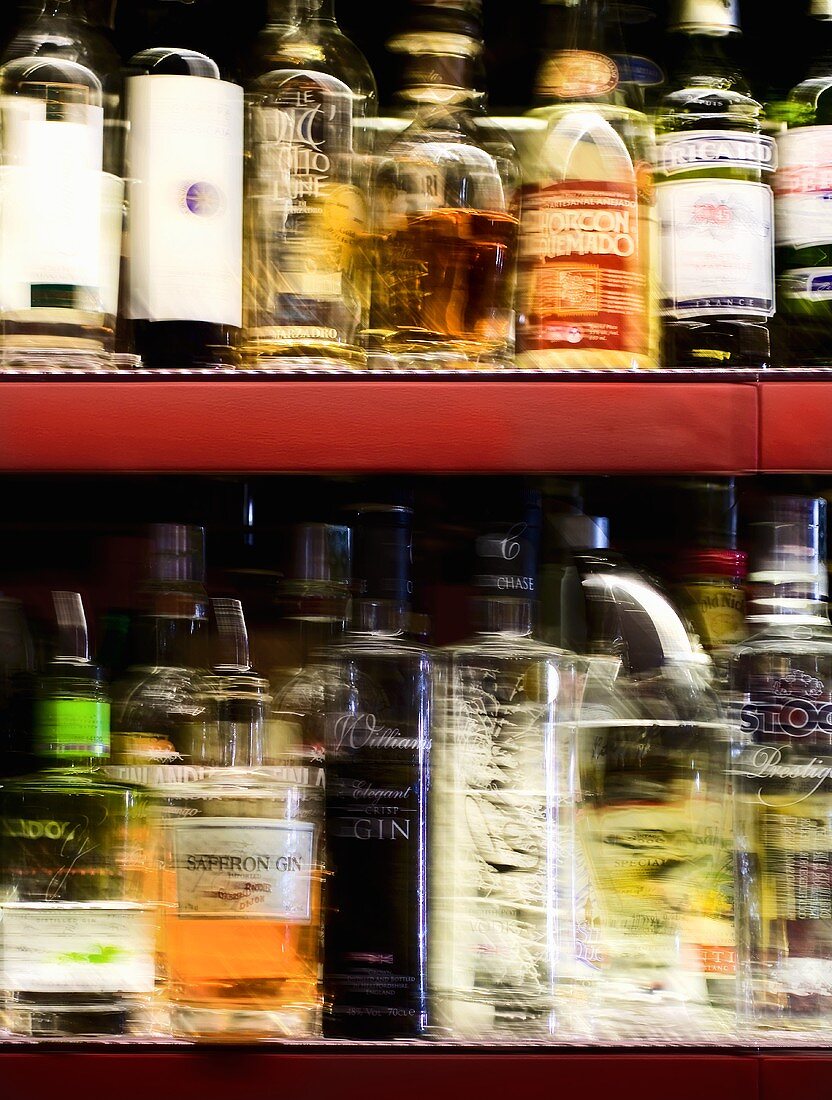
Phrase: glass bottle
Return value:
(445, 220)
(185, 227)
(77, 915)
(588, 234)
(781, 690)
(61, 217)
(802, 190)
(710, 590)
(500, 854)
(377, 737)
(158, 701)
(714, 197)
(306, 291)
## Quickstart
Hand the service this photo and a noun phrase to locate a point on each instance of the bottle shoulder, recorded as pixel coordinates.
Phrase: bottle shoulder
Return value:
(92, 783)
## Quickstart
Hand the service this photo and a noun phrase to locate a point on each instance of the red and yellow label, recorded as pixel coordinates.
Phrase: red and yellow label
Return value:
(577, 74)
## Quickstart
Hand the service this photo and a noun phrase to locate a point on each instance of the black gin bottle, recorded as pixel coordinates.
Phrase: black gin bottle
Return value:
(377, 729)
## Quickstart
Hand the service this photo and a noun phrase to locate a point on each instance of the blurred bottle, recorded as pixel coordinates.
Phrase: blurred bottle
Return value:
(781, 687)
(803, 206)
(306, 292)
(446, 217)
(185, 239)
(312, 603)
(588, 247)
(378, 719)
(78, 926)
(17, 666)
(62, 212)
(158, 702)
(639, 61)
(715, 202)
(501, 855)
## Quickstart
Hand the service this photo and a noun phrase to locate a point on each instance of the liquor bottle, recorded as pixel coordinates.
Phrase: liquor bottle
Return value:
(185, 227)
(306, 280)
(802, 188)
(500, 851)
(78, 924)
(312, 602)
(446, 220)
(60, 226)
(715, 203)
(158, 702)
(781, 689)
(587, 241)
(377, 737)
(241, 869)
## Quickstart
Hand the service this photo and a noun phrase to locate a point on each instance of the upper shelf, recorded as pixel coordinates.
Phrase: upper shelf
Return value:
(421, 425)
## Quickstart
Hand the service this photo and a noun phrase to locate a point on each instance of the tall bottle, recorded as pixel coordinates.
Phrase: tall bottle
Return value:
(185, 229)
(446, 217)
(157, 705)
(61, 218)
(499, 878)
(306, 275)
(588, 235)
(378, 729)
(781, 686)
(78, 923)
(714, 170)
(803, 195)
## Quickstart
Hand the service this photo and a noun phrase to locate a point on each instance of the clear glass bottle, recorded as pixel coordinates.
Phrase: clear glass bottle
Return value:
(306, 291)
(781, 690)
(500, 852)
(802, 192)
(377, 737)
(714, 168)
(242, 868)
(588, 252)
(158, 702)
(184, 163)
(62, 211)
(77, 915)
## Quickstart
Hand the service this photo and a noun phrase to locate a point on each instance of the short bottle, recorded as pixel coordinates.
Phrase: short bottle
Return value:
(587, 256)
(803, 192)
(781, 694)
(306, 290)
(184, 163)
(714, 171)
(377, 726)
(61, 220)
(77, 902)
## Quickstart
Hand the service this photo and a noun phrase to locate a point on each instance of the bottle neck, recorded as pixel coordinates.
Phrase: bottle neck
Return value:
(312, 634)
(784, 605)
(512, 617)
(382, 618)
(170, 642)
(290, 13)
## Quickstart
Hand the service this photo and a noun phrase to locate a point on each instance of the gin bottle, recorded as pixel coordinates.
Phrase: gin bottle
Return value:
(714, 171)
(781, 687)
(306, 291)
(77, 919)
(501, 839)
(377, 735)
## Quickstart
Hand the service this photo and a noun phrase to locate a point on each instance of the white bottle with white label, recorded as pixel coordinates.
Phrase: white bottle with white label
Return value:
(714, 169)
(185, 239)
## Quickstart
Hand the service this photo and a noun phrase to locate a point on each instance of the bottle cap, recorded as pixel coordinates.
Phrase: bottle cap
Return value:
(711, 563)
(321, 553)
(232, 636)
(507, 549)
(384, 552)
(580, 532)
(177, 553)
(821, 9)
(788, 545)
(705, 16)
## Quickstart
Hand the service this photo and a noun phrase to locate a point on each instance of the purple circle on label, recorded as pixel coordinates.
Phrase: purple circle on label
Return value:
(203, 199)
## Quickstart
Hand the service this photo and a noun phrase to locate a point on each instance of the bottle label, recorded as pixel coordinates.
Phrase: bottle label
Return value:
(51, 196)
(812, 284)
(239, 867)
(633, 69)
(803, 187)
(70, 728)
(708, 149)
(717, 248)
(576, 74)
(717, 612)
(584, 275)
(185, 166)
(793, 707)
(77, 947)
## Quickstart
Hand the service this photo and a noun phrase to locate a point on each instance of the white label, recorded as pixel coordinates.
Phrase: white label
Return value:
(236, 866)
(803, 187)
(686, 152)
(51, 203)
(717, 248)
(66, 947)
(185, 168)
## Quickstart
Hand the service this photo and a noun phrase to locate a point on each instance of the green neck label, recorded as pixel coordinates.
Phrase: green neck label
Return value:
(73, 729)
